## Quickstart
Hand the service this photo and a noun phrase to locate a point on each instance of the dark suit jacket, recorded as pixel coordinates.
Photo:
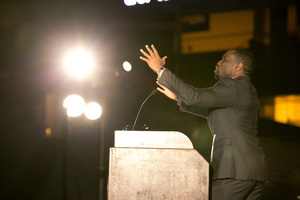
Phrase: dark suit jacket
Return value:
(231, 107)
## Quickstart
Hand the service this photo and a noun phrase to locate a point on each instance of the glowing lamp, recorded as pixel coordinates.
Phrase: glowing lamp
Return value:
(93, 111)
(75, 105)
(79, 63)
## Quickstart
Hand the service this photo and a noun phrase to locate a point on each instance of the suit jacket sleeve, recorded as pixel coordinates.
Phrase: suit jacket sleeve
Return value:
(222, 94)
(195, 110)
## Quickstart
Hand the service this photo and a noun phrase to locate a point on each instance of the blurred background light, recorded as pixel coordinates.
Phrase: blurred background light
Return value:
(134, 2)
(75, 105)
(93, 111)
(48, 131)
(79, 63)
(129, 2)
(127, 66)
(143, 1)
(282, 108)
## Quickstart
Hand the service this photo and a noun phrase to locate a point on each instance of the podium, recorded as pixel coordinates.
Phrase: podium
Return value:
(156, 165)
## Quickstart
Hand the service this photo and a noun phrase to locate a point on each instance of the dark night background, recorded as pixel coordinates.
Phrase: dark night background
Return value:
(33, 38)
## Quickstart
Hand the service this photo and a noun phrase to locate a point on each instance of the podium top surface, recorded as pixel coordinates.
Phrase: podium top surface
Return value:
(152, 139)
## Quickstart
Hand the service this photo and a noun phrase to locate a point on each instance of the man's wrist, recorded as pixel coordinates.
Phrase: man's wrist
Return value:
(179, 102)
(160, 70)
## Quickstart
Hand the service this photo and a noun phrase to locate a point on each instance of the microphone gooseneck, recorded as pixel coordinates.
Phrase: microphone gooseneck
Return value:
(152, 93)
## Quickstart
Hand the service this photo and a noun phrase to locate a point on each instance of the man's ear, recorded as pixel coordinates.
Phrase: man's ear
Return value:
(239, 66)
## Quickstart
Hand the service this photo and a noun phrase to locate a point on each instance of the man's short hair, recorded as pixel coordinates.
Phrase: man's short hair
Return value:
(247, 59)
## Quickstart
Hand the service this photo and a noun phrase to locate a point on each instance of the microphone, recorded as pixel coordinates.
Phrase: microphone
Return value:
(152, 93)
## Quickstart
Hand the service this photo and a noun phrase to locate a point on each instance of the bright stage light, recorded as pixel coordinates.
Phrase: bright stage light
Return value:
(127, 66)
(93, 111)
(134, 2)
(129, 2)
(79, 63)
(75, 105)
(143, 1)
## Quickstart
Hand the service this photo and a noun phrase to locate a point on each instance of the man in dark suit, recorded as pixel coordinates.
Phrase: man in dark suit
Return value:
(231, 107)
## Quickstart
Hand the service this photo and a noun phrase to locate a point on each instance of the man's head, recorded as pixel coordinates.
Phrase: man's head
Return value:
(234, 63)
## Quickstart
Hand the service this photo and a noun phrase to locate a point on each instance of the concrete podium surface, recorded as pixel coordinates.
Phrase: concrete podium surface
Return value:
(157, 170)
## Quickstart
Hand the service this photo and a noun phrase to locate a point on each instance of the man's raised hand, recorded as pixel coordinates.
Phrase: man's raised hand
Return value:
(152, 58)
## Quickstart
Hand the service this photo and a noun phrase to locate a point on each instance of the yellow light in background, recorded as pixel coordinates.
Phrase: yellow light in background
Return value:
(48, 131)
(79, 63)
(75, 105)
(237, 34)
(283, 109)
(287, 109)
(93, 111)
(292, 19)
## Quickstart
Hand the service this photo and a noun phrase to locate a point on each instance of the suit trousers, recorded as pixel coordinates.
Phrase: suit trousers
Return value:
(233, 189)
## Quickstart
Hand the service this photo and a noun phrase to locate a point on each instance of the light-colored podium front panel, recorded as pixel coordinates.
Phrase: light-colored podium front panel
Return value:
(141, 174)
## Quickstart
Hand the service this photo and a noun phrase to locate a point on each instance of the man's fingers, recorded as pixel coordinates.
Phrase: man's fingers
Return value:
(161, 90)
(164, 60)
(158, 83)
(163, 87)
(149, 50)
(144, 59)
(154, 49)
(144, 53)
